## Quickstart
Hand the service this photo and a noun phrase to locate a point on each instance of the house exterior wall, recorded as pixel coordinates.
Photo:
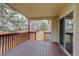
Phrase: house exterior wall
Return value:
(54, 29)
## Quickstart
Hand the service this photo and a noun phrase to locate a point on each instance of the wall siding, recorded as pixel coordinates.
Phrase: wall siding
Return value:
(55, 29)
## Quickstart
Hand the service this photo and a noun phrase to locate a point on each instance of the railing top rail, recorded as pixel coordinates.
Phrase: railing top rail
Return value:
(4, 34)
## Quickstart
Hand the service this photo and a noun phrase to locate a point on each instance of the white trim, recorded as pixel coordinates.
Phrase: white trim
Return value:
(65, 50)
(74, 31)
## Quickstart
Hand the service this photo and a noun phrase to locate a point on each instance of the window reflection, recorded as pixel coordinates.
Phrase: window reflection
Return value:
(69, 33)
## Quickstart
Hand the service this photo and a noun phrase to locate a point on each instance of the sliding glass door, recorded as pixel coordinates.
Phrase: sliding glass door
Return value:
(62, 31)
(66, 33)
(69, 35)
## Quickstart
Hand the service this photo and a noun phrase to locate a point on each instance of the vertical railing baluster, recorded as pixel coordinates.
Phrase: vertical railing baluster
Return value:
(1, 42)
(10, 41)
(13, 42)
(4, 44)
(0, 45)
(7, 44)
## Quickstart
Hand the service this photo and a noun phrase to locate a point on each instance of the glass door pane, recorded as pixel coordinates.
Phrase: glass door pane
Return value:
(69, 33)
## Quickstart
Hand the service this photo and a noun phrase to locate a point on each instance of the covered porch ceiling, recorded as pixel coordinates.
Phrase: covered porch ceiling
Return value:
(39, 9)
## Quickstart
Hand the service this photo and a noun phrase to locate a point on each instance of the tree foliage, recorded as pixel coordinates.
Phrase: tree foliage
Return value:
(11, 20)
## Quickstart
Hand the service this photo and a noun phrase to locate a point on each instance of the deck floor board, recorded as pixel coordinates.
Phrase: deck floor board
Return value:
(36, 48)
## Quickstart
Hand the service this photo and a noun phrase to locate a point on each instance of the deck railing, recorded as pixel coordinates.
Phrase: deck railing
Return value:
(10, 41)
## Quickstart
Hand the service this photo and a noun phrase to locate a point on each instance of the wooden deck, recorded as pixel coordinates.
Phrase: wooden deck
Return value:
(36, 48)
